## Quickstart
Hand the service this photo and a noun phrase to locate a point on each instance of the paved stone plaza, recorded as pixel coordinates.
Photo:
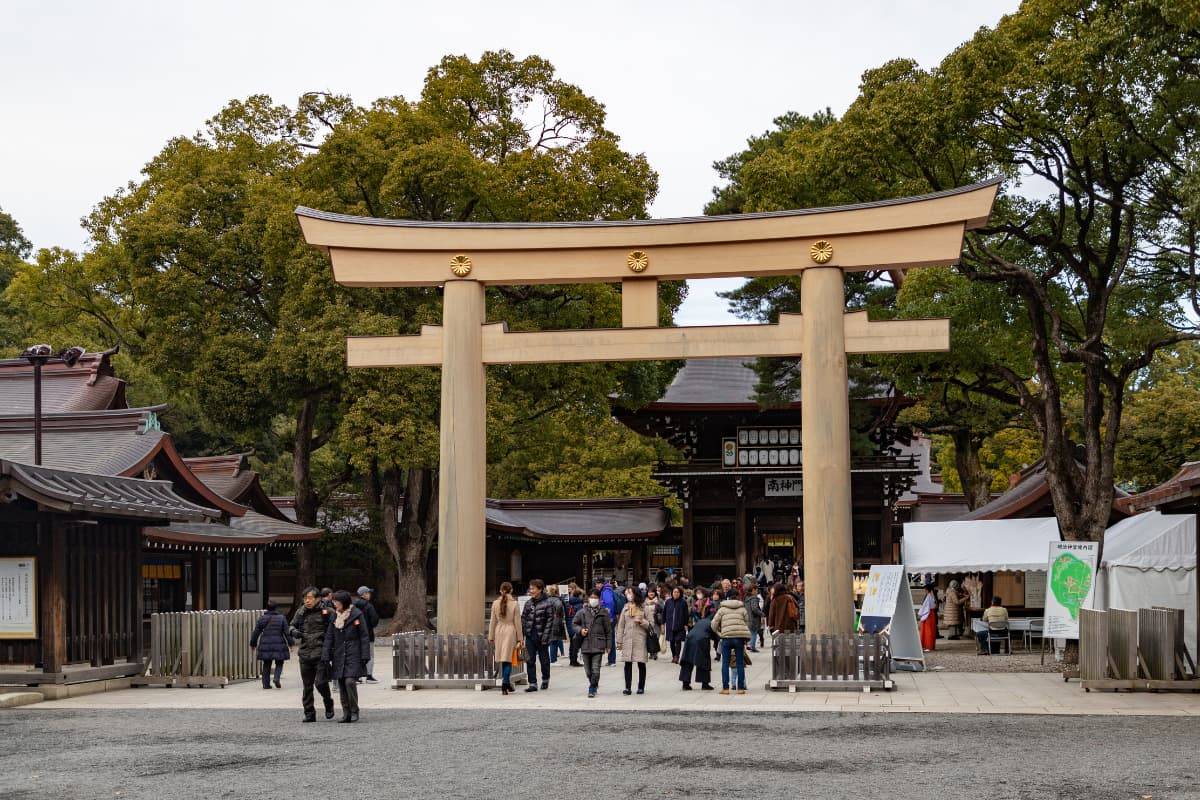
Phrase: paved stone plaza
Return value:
(929, 692)
(451, 753)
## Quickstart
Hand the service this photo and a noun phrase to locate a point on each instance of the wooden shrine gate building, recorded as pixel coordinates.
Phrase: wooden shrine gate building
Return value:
(819, 244)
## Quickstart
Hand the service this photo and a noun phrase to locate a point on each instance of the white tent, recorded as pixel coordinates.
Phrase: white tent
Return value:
(1150, 560)
(981, 545)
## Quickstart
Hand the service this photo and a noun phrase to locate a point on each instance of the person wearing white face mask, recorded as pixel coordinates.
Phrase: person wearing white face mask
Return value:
(594, 628)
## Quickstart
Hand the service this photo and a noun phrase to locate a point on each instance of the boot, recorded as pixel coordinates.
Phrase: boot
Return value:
(503, 691)
(310, 717)
(345, 717)
(329, 709)
(354, 716)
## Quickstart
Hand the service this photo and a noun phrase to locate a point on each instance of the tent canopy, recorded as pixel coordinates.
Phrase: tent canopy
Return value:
(982, 545)
(1152, 541)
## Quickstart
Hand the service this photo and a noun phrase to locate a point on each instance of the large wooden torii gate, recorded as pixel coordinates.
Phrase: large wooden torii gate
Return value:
(820, 244)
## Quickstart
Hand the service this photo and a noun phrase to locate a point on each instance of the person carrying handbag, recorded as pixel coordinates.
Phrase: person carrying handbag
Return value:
(504, 632)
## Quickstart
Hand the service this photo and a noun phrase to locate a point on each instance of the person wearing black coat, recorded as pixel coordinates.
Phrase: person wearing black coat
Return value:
(309, 626)
(370, 619)
(696, 654)
(574, 605)
(675, 621)
(273, 640)
(537, 623)
(345, 649)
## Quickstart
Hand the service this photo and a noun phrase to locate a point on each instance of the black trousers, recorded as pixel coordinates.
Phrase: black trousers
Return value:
(535, 651)
(312, 674)
(676, 648)
(703, 674)
(629, 675)
(266, 671)
(576, 643)
(348, 695)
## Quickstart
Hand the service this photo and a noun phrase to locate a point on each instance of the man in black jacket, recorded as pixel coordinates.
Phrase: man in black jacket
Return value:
(537, 623)
(363, 604)
(309, 625)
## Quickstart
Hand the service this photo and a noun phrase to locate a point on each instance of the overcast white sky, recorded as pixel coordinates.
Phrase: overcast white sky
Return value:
(93, 90)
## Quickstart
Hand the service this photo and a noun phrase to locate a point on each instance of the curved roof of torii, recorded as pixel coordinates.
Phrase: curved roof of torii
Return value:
(923, 230)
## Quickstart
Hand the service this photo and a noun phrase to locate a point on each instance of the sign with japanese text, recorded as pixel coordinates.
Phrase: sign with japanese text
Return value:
(18, 598)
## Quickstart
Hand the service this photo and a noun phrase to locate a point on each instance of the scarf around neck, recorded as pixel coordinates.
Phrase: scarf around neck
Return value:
(342, 616)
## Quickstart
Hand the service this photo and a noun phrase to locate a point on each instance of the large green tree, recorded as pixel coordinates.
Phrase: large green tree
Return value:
(498, 139)
(198, 270)
(1089, 108)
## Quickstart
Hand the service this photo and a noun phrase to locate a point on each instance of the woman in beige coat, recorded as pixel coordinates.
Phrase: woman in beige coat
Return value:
(504, 632)
(635, 623)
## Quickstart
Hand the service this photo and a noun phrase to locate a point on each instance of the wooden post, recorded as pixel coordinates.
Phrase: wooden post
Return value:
(52, 593)
(739, 534)
(199, 584)
(885, 536)
(687, 545)
(235, 580)
(461, 538)
(825, 433)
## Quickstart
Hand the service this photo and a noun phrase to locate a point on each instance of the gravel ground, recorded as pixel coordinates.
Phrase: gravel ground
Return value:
(401, 754)
(960, 656)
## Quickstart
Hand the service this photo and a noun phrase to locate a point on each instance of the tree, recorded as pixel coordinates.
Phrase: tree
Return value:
(1089, 108)
(1162, 421)
(498, 139)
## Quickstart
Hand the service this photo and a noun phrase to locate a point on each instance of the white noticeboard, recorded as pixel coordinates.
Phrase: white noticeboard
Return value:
(887, 607)
(1035, 590)
(18, 598)
(1070, 586)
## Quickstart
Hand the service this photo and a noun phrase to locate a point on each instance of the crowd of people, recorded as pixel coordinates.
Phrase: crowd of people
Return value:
(334, 636)
(333, 633)
(634, 624)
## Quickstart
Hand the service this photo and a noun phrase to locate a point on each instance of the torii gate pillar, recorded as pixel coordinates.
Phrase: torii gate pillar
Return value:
(825, 442)
(462, 543)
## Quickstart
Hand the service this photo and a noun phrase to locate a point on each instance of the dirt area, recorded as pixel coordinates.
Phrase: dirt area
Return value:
(961, 656)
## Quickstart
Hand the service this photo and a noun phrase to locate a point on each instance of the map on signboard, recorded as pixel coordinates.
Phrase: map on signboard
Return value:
(1071, 581)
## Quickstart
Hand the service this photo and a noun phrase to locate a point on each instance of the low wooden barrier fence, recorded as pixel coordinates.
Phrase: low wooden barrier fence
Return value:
(826, 662)
(1140, 650)
(422, 659)
(201, 648)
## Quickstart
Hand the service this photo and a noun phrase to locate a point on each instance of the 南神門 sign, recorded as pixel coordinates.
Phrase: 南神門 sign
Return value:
(784, 487)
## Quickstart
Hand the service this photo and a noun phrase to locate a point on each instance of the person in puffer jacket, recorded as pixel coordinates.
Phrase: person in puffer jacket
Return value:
(731, 624)
(309, 626)
(537, 622)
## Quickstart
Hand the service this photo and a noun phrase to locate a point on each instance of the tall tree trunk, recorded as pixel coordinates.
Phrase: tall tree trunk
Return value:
(410, 524)
(976, 481)
(307, 500)
(385, 588)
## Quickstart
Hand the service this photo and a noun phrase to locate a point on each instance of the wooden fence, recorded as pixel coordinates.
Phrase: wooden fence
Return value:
(825, 662)
(201, 648)
(1138, 650)
(422, 659)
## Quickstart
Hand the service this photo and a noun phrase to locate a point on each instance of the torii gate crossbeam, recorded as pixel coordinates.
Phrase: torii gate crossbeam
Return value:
(818, 243)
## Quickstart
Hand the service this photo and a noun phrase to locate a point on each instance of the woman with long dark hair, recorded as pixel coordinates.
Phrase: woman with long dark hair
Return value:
(504, 632)
(675, 621)
(635, 624)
